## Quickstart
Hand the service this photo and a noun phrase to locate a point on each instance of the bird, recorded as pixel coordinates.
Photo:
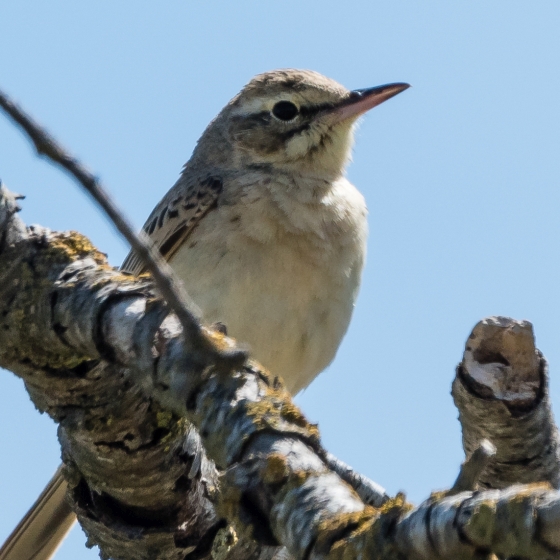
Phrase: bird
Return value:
(266, 233)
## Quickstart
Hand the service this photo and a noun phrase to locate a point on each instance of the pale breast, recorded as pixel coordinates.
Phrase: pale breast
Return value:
(281, 275)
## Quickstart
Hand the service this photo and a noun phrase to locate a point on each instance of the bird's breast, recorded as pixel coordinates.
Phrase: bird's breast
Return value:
(282, 281)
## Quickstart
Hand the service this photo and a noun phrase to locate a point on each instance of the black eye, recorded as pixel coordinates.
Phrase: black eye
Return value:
(285, 110)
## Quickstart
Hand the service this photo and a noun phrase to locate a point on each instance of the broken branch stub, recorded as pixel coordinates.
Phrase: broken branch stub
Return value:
(276, 490)
(501, 391)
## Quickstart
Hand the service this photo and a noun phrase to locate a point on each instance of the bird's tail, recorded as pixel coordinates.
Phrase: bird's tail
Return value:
(44, 526)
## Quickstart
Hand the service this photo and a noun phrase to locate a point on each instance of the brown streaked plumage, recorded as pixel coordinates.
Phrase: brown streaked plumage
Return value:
(175, 217)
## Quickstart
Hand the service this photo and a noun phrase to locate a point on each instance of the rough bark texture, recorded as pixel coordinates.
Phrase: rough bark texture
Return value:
(140, 479)
(99, 352)
(501, 391)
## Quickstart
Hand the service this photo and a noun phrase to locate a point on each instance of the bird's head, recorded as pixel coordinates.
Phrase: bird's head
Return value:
(291, 120)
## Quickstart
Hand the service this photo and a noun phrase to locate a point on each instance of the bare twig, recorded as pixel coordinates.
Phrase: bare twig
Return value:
(472, 468)
(165, 279)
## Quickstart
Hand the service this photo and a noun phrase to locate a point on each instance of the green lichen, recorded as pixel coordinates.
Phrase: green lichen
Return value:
(329, 531)
(176, 427)
(277, 411)
(67, 247)
(29, 308)
(229, 502)
(480, 526)
(164, 419)
(489, 518)
(223, 543)
(276, 469)
(362, 534)
(25, 316)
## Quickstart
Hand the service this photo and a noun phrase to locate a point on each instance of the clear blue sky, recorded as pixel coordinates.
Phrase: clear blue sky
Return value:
(461, 174)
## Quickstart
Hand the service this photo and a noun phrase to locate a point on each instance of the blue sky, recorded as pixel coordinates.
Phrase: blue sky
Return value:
(461, 175)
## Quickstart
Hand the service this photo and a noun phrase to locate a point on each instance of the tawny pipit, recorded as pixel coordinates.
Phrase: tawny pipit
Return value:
(266, 233)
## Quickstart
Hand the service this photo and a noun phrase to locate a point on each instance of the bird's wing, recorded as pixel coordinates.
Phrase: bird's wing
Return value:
(177, 215)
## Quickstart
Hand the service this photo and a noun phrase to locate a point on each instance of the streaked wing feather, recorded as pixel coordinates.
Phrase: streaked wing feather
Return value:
(176, 216)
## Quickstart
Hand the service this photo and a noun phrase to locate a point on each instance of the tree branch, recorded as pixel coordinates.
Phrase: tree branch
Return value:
(63, 308)
(100, 353)
(166, 281)
(201, 346)
(138, 474)
(501, 391)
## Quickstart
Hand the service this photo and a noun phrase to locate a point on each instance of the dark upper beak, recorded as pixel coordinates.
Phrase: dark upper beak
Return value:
(361, 100)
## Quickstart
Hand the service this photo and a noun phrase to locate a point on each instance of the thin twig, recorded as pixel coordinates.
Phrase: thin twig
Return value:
(473, 467)
(166, 281)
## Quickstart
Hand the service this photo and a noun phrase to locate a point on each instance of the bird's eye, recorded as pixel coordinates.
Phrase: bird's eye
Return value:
(285, 110)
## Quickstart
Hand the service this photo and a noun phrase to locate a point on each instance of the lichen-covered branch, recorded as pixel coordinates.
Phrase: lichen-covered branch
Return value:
(501, 391)
(138, 475)
(519, 522)
(99, 351)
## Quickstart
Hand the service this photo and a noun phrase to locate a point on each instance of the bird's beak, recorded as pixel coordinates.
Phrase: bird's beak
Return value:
(361, 100)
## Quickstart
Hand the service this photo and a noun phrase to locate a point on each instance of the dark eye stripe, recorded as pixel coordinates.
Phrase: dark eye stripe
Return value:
(263, 117)
(253, 121)
(311, 110)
